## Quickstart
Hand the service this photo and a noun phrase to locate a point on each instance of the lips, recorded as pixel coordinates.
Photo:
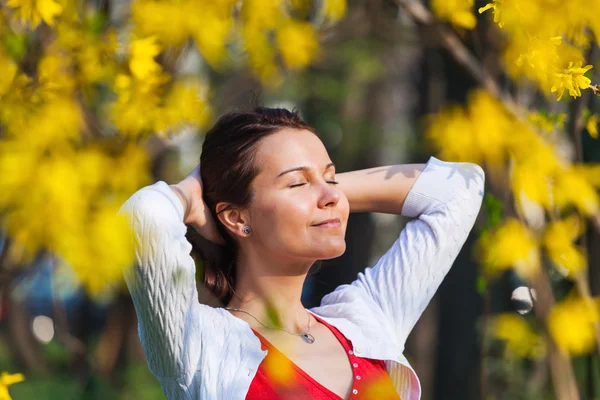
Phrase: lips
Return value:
(329, 223)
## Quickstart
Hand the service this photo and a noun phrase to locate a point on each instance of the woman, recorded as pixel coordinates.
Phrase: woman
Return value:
(268, 192)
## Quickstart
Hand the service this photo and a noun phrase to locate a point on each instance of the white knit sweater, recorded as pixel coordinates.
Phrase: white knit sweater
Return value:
(200, 352)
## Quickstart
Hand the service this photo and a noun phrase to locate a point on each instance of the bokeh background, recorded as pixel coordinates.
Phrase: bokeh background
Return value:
(99, 98)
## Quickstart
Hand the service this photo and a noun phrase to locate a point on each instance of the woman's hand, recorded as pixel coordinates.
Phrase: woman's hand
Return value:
(196, 212)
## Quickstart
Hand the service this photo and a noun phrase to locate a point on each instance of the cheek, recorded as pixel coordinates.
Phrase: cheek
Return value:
(344, 208)
(282, 216)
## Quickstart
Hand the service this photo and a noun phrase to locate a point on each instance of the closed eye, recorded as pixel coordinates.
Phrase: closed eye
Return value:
(302, 184)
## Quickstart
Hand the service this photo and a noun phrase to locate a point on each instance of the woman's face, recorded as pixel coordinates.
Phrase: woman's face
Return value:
(297, 212)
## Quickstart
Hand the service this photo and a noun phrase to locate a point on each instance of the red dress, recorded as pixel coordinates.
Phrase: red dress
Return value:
(371, 380)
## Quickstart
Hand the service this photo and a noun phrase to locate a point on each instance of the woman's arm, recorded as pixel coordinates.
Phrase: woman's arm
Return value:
(196, 213)
(162, 282)
(381, 189)
(445, 199)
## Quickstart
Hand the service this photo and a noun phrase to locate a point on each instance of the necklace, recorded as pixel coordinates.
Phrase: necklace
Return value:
(306, 336)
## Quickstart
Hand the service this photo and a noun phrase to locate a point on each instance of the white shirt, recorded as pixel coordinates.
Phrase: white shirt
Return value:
(201, 352)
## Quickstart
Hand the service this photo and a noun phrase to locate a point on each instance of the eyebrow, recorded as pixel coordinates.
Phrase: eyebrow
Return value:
(302, 169)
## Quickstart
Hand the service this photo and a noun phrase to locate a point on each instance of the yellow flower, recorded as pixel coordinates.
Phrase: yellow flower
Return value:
(571, 324)
(135, 111)
(558, 240)
(535, 163)
(165, 20)
(34, 11)
(55, 75)
(6, 380)
(592, 125)
(458, 12)
(591, 173)
(515, 15)
(261, 55)
(17, 168)
(495, 6)
(512, 245)
(185, 104)
(334, 10)
(520, 338)
(547, 123)
(379, 389)
(537, 58)
(297, 42)
(451, 132)
(8, 71)
(58, 207)
(141, 59)
(491, 127)
(279, 369)
(56, 121)
(572, 189)
(134, 166)
(99, 251)
(211, 33)
(265, 14)
(571, 79)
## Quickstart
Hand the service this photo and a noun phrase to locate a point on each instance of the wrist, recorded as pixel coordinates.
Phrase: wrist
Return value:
(183, 199)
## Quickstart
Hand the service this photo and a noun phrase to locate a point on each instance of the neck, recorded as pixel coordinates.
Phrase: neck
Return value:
(272, 294)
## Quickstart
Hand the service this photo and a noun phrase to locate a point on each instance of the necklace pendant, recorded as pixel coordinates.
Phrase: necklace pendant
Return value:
(308, 338)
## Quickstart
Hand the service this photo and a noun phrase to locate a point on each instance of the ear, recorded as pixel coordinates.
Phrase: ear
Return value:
(233, 218)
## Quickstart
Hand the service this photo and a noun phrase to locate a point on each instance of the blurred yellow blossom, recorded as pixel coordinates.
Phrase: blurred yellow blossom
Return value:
(547, 123)
(491, 125)
(6, 380)
(57, 207)
(17, 168)
(55, 75)
(297, 43)
(334, 9)
(8, 70)
(592, 125)
(56, 121)
(32, 12)
(185, 104)
(520, 338)
(558, 241)
(572, 189)
(458, 12)
(135, 99)
(141, 59)
(279, 369)
(535, 163)
(133, 165)
(512, 245)
(589, 171)
(378, 389)
(571, 324)
(212, 27)
(451, 132)
(165, 20)
(103, 241)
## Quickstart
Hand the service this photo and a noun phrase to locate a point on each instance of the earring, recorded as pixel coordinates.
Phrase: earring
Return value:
(247, 230)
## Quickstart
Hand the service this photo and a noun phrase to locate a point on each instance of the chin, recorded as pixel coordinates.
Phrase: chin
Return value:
(333, 250)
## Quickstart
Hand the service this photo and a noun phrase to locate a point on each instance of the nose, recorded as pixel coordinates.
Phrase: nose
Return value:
(329, 196)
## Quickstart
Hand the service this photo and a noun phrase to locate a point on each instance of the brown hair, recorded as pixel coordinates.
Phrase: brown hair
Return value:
(227, 169)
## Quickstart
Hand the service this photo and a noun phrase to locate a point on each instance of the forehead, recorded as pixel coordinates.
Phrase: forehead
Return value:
(291, 148)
